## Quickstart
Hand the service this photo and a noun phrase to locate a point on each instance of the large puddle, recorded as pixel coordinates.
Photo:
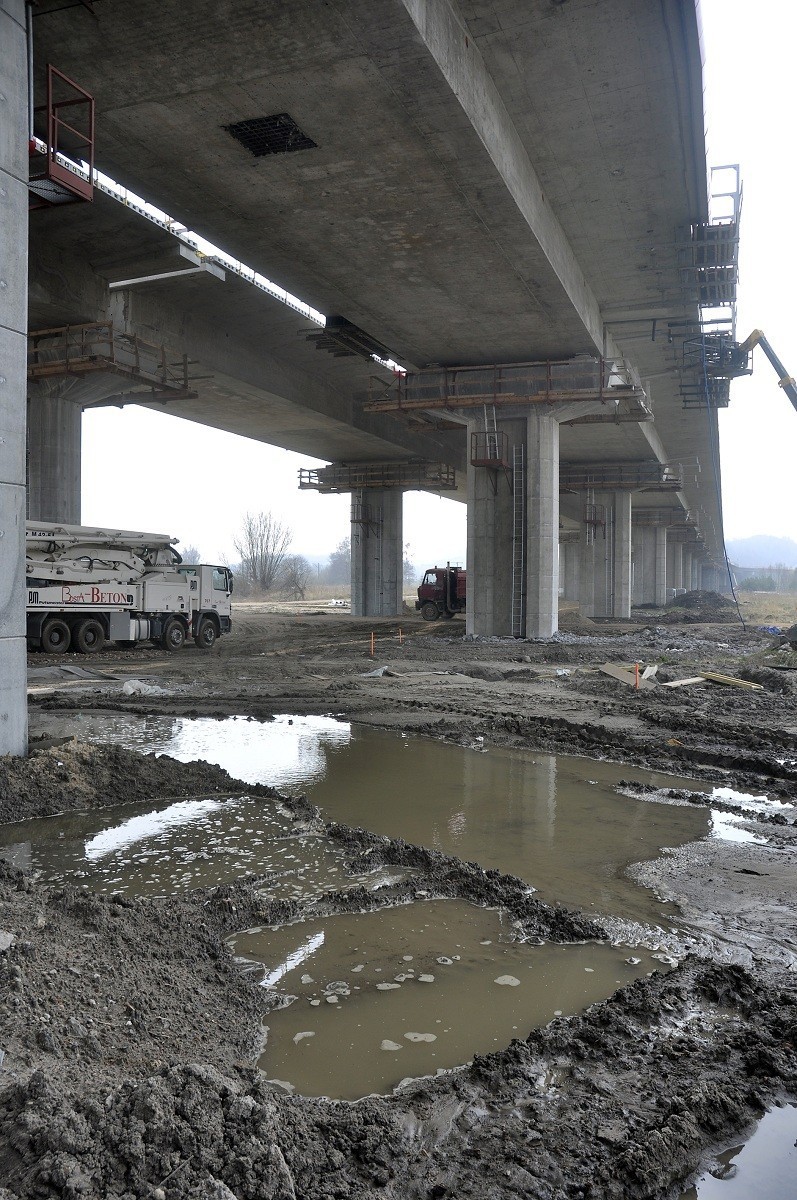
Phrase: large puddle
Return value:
(554, 821)
(764, 1168)
(414, 990)
(179, 845)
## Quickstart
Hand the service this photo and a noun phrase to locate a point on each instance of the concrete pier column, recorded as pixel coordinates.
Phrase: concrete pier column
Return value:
(674, 566)
(54, 421)
(644, 562)
(490, 539)
(661, 565)
(686, 569)
(13, 373)
(542, 542)
(570, 569)
(595, 569)
(377, 552)
(621, 604)
(695, 573)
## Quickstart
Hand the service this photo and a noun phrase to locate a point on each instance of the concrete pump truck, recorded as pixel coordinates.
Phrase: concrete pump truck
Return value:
(87, 586)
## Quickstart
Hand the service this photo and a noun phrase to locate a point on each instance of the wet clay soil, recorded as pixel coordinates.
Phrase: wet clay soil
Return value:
(131, 1036)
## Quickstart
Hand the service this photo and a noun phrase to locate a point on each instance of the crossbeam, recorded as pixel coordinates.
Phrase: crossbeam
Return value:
(410, 475)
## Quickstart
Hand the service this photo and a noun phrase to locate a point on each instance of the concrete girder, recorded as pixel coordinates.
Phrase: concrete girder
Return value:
(445, 35)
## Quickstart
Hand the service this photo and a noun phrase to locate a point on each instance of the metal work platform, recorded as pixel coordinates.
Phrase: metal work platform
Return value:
(633, 477)
(412, 475)
(516, 384)
(80, 350)
(665, 518)
(52, 182)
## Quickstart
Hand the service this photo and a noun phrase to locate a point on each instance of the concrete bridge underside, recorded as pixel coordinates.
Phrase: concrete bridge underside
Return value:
(488, 182)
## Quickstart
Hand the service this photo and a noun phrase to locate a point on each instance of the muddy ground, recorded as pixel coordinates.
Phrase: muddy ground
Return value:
(129, 1035)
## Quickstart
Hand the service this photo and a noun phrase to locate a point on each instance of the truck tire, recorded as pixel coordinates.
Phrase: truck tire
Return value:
(56, 636)
(430, 611)
(173, 636)
(206, 634)
(89, 636)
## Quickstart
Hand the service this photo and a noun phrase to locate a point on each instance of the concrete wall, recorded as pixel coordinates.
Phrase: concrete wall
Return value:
(13, 359)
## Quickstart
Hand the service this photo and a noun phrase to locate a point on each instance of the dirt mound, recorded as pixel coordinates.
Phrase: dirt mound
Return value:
(75, 776)
(698, 607)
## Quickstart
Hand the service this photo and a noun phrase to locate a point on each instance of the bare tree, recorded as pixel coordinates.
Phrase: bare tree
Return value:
(294, 576)
(262, 546)
(190, 555)
(338, 570)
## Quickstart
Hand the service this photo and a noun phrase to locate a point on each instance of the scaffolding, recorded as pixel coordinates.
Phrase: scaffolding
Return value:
(710, 277)
(408, 475)
(81, 350)
(574, 380)
(633, 476)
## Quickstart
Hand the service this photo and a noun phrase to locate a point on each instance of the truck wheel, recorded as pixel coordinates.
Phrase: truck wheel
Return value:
(206, 635)
(89, 636)
(173, 636)
(430, 611)
(56, 636)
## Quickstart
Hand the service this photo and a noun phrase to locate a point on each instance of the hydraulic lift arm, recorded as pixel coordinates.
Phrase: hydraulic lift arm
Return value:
(785, 380)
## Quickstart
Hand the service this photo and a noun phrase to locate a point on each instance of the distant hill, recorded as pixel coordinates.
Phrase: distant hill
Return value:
(763, 551)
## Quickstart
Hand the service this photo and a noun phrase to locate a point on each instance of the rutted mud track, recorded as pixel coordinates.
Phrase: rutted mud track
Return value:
(129, 1036)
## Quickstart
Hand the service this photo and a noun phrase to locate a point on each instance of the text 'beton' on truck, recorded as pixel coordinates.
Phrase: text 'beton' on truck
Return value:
(442, 592)
(87, 586)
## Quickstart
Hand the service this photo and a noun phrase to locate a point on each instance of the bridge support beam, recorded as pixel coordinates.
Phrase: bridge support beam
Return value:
(13, 354)
(513, 531)
(54, 421)
(570, 569)
(675, 564)
(661, 565)
(621, 591)
(644, 559)
(606, 556)
(377, 552)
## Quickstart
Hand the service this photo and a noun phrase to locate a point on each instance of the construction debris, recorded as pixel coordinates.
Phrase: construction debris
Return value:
(732, 681)
(627, 675)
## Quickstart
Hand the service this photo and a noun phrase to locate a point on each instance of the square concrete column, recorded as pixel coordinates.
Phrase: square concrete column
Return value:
(542, 542)
(661, 565)
(644, 563)
(621, 605)
(377, 552)
(491, 538)
(13, 373)
(595, 568)
(570, 569)
(695, 573)
(686, 569)
(54, 428)
(674, 566)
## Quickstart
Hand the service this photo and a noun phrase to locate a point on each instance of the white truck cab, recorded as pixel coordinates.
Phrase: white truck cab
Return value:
(86, 586)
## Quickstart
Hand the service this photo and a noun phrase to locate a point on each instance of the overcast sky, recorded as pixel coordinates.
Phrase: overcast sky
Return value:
(145, 470)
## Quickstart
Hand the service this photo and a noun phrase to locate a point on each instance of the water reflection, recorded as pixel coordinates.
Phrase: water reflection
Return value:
(556, 822)
(765, 1168)
(412, 990)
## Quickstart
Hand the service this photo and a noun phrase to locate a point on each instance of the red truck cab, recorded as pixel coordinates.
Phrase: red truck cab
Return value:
(442, 592)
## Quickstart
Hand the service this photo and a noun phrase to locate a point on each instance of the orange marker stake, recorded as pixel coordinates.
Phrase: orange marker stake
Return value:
(401, 638)
(373, 644)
